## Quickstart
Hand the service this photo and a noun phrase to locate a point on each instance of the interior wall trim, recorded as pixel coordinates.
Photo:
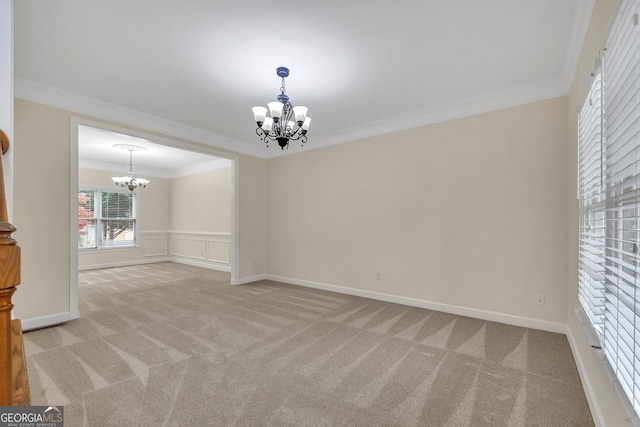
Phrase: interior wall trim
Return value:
(251, 279)
(196, 263)
(124, 263)
(205, 247)
(44, 321)
(491, 316)
(196, 233)
(178, 260)
(552, 87)
(49, 95)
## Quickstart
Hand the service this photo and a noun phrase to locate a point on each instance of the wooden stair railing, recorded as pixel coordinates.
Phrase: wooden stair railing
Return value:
(14, 384)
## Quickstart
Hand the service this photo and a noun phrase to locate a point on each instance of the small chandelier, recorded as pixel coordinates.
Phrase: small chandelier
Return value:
(129, 181)
(286, 122)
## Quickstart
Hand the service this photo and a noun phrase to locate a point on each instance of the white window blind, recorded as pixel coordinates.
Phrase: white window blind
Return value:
(591, 197)
(621, 94)
(117, 219)
(106, 218)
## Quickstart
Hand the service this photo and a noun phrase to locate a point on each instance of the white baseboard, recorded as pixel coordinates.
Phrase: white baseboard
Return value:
(156, 260)
(41, 322)
(123, 263)
(492, 316)
(186, 261)
(251, 279)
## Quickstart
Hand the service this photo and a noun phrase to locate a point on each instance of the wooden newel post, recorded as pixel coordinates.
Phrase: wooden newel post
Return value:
(9, 279)
(14, 388)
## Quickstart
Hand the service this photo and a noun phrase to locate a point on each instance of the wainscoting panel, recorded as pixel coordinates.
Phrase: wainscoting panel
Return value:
(218, 251)
(154, 246)
(196, 249)
(206, 248)
(209, 250)
(179, 247)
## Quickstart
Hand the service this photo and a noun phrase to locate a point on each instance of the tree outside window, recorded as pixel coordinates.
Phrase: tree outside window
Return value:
(86, 219)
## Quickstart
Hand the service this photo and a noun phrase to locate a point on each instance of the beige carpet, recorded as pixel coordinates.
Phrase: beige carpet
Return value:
(174, 345)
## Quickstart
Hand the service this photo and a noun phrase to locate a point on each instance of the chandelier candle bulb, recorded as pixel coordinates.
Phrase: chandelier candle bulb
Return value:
(300, 113)
(275, 109)
(286, 122)
(259, 114)
(267, 125)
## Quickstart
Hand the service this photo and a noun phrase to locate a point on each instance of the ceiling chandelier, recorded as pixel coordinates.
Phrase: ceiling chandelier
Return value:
(287, 123)
(129, 181)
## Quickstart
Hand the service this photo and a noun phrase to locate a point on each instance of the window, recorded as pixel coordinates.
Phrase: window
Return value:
(106, 219)
(591, 199)
(609, 251)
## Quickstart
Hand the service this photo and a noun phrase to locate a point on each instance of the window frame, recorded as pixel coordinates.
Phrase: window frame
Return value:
(99, 219)
(618, 344)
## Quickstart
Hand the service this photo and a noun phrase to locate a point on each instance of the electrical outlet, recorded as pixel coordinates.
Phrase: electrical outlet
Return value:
(540, 300)
(378, 276)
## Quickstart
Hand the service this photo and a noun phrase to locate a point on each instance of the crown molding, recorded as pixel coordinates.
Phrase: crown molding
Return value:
(579, 29)
(157, 173)
(517, 95)
(200, 168)
(120, 168)
(48, 95)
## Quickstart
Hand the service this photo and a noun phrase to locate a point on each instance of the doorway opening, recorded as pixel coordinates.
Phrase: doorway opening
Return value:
(187, 213)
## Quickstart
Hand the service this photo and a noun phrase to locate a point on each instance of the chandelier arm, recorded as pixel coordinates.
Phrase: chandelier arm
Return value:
(265, 137)
(299, 134)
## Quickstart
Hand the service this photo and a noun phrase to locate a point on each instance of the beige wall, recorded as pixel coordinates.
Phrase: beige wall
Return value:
(252, 216)
(469, 212)
(202, 202)
(42, 209)
(605, 405)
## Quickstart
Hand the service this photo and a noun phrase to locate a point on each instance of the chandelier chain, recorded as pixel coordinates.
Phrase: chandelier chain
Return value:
(131, 162)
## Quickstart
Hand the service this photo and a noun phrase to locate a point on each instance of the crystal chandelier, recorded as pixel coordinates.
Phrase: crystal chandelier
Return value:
(129, 181)
(286, 122)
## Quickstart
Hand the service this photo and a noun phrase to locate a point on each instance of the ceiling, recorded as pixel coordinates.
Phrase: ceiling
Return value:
(107, 150)
(196, 67)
